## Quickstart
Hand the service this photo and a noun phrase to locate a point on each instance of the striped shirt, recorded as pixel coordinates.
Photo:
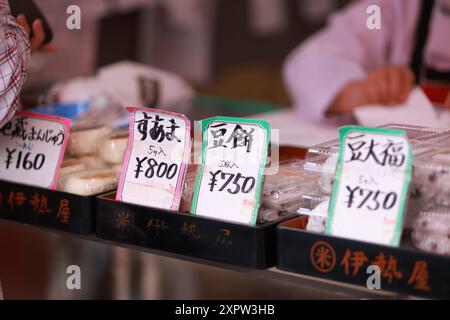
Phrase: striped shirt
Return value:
(14, 55)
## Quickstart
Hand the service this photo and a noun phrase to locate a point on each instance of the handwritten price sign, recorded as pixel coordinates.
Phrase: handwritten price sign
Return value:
(372, 179)
(155, 162)
(32, 147)
(228, 183)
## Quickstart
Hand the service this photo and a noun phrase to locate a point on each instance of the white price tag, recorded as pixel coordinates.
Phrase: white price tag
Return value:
(157, 155)
(372, 180)
(32, 148)
(228, 183)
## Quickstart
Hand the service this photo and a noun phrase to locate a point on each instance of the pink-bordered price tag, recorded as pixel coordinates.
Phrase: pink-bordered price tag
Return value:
(155, 163)
(32, 147)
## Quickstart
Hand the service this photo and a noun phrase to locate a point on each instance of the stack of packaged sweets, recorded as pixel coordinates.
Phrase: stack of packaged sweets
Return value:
(428, 205)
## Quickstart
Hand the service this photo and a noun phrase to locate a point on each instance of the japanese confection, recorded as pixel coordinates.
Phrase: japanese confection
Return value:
(431, 229)
(188, 188)
(70, 165)
(326, 180)
(84, 139)
(431, 176)
(117, 168)
(89, 182)
(317, 217)
(112, 148)
(284, 191)
(93, 162)
(430, 242)
(268, 214)
(430, 181)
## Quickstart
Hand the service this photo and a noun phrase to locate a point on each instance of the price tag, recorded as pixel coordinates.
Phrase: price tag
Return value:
(157, 155)
(32, 148)
(228, 183)
(372, 180)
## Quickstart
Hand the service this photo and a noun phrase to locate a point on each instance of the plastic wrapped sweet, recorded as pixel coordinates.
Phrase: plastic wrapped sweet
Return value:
(268, 214)
(70, 165)
(316, 224)
(431, 176)
(317, 217)
(288, 200)
(327, 177)
(284, 191)
(188, 188)
(112, 148)
(413, 207)
(430, 181)
(434, 219)
(117, 168)
(93, 162)
(431, 230)
(89, 182)
(84, 139)
(432, 243)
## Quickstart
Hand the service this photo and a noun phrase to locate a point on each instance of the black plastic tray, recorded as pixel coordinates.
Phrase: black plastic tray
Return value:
(405, 270)
(47, 208)
(181, 233)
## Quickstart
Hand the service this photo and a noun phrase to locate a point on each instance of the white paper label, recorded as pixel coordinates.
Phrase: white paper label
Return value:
(32, 148)
(229, 179)
(157, 155)
(372, 180)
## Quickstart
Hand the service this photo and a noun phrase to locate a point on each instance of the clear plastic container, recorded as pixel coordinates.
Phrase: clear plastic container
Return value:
(284, 191)
(323, 157)
(432, 243)
(269, 214)
(434, 220)
(321, 160)
(431, 176)
(311, 202)
(188, 188)
(316, 208)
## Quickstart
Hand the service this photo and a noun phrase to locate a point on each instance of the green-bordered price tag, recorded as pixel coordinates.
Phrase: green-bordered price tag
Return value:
(229, 177)
(371, 186)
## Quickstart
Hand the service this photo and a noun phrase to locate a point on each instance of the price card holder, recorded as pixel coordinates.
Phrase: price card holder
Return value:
(32, 148)
(228, 183)
(372, 179)
(156, 159)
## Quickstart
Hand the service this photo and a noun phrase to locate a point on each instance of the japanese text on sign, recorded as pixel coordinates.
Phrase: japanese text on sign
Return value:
(372, 179)
(353, 263)
(16, 202)
(228, 182)
(32, 148)
(155, 162)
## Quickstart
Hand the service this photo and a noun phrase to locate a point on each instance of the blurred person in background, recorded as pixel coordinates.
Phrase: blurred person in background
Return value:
(347, 64)
(15, 49)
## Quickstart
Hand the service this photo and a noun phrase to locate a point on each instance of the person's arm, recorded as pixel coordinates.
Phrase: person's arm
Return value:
(14, 55)
(338, 59)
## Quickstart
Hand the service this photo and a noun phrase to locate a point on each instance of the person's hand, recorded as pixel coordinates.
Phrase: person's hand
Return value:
(37, 41)
(388, 85)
